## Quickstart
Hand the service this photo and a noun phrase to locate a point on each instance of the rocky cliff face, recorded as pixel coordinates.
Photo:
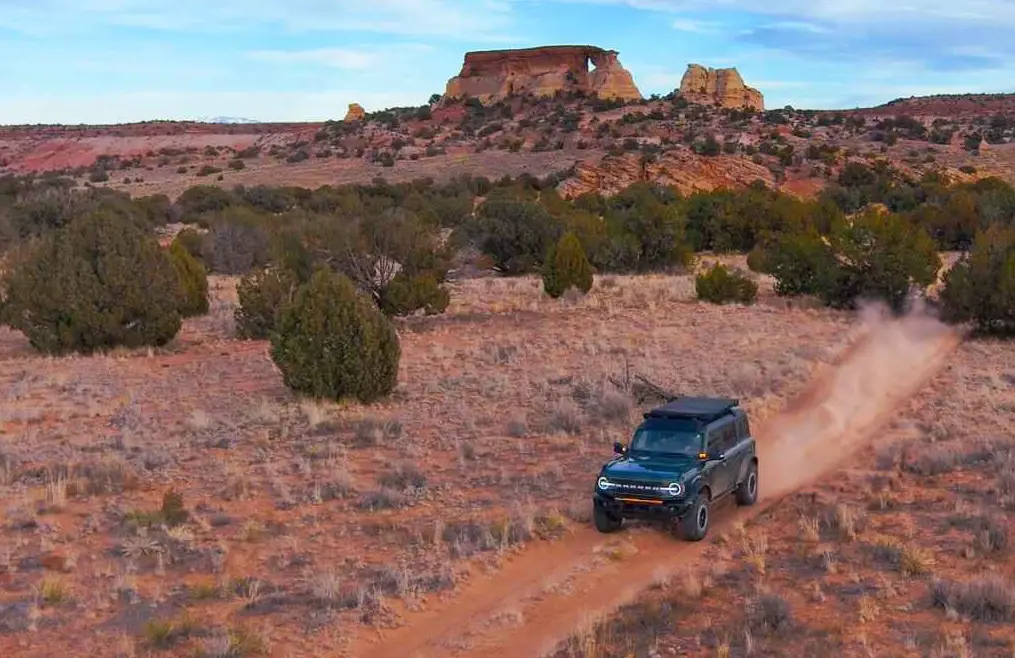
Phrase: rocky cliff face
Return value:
(723, 87)
(497, 74)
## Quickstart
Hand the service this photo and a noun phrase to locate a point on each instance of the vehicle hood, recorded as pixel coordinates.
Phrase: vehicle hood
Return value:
(651, 469)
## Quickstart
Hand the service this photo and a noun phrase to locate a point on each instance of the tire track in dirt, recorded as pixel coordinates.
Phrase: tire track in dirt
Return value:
(527, 608)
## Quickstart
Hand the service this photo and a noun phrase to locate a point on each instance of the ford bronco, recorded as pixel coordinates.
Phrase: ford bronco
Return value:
(683, 457)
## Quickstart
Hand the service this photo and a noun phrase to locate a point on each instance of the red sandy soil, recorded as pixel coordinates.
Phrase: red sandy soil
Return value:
(485, 454)
(486, 451)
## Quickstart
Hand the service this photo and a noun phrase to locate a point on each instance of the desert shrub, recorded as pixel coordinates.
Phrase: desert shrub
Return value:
(875, 256)
(989, 598)
(769, 613)
(407, 294)
(796, 261)
(203, 198)
(645, 231)
(332, 342)
(879, 256)
(193, 281)
(394, 256)
(515, 233)
(981, 286)
(758, 260)
(99, 282)
(566, 267)
(192, 241)
(289, 251)
(719, 285)
(262, 295)
(236, 247)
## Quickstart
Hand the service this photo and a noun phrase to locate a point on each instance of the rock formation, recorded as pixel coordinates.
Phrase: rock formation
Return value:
(681, 168)
(723, 87)
(493, 75)
(355, 113)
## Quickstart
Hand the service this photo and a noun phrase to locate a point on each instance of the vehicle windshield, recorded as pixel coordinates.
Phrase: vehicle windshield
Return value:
(669, 436)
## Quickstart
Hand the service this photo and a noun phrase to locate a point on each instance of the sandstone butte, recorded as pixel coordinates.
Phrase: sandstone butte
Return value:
(723, 87)
(493, 75)
(355, 113)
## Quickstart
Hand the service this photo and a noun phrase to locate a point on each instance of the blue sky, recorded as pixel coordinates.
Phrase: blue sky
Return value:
(98, 61)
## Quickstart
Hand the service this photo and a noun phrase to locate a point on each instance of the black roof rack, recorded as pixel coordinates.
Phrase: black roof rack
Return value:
(704, 409)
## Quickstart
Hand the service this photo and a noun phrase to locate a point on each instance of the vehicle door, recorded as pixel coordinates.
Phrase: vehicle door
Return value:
(721, 438)
(739, 449)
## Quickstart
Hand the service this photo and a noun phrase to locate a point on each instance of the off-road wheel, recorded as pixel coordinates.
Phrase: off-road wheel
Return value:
(605, 522)
(694, 526)
(747, 492)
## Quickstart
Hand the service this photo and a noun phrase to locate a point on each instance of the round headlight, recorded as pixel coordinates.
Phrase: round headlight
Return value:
(603, 483)
(675, 489)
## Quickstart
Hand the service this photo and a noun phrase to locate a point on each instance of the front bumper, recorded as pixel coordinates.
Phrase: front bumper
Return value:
(636, 507)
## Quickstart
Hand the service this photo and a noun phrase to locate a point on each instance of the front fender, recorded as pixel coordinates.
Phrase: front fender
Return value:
(696, 484)
(744, 465)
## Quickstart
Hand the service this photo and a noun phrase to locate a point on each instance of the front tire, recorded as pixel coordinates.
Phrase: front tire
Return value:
(747, 492)
(694, 526)
(604, 522)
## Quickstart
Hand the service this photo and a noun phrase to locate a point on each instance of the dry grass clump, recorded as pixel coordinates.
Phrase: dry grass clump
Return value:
(908, 558)
(769, 613)
(990, 531)
(846, 520)
(986, 598)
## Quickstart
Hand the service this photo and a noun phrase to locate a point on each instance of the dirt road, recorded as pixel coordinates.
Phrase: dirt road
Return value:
(541, 596)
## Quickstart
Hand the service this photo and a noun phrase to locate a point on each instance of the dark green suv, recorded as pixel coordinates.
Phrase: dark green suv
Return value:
(683, 457)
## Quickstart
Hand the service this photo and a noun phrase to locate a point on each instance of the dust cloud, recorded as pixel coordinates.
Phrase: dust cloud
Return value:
(895, 357)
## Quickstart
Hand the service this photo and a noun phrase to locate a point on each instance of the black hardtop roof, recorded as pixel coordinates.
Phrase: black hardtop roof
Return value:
(701, 408)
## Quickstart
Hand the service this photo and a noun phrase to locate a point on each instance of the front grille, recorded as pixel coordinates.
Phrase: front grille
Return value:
(637, 488)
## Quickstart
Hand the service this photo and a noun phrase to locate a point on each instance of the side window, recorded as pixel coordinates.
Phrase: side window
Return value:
(729, 435)
(743, 430)
(723, 436)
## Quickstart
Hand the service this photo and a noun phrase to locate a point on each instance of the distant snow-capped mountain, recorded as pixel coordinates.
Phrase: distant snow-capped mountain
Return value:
(227, 120)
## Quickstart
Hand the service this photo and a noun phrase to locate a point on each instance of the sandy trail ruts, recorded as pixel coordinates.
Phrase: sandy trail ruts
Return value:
(519, 612)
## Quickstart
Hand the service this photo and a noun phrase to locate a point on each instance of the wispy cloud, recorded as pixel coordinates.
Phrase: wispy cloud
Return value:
(340, 58)
(695, 26)
(930, 33)
(457, 19)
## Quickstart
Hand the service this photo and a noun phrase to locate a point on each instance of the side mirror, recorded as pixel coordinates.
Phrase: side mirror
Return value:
(619, 448)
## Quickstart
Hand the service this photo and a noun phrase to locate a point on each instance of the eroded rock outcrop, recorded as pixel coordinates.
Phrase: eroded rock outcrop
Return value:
(355, 113)
(493, 75)
(680, 168)
(723, 87)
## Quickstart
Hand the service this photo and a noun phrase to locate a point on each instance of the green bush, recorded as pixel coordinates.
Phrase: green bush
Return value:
(407, 294)
(332, 342)
(759, 260)
(981, 287)
(263, 294)
(877, 256)
(97, 283)
(514, 232)
(192, 241)
(566, 266)
(193, 281)
(797, 261)
(719, 285)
